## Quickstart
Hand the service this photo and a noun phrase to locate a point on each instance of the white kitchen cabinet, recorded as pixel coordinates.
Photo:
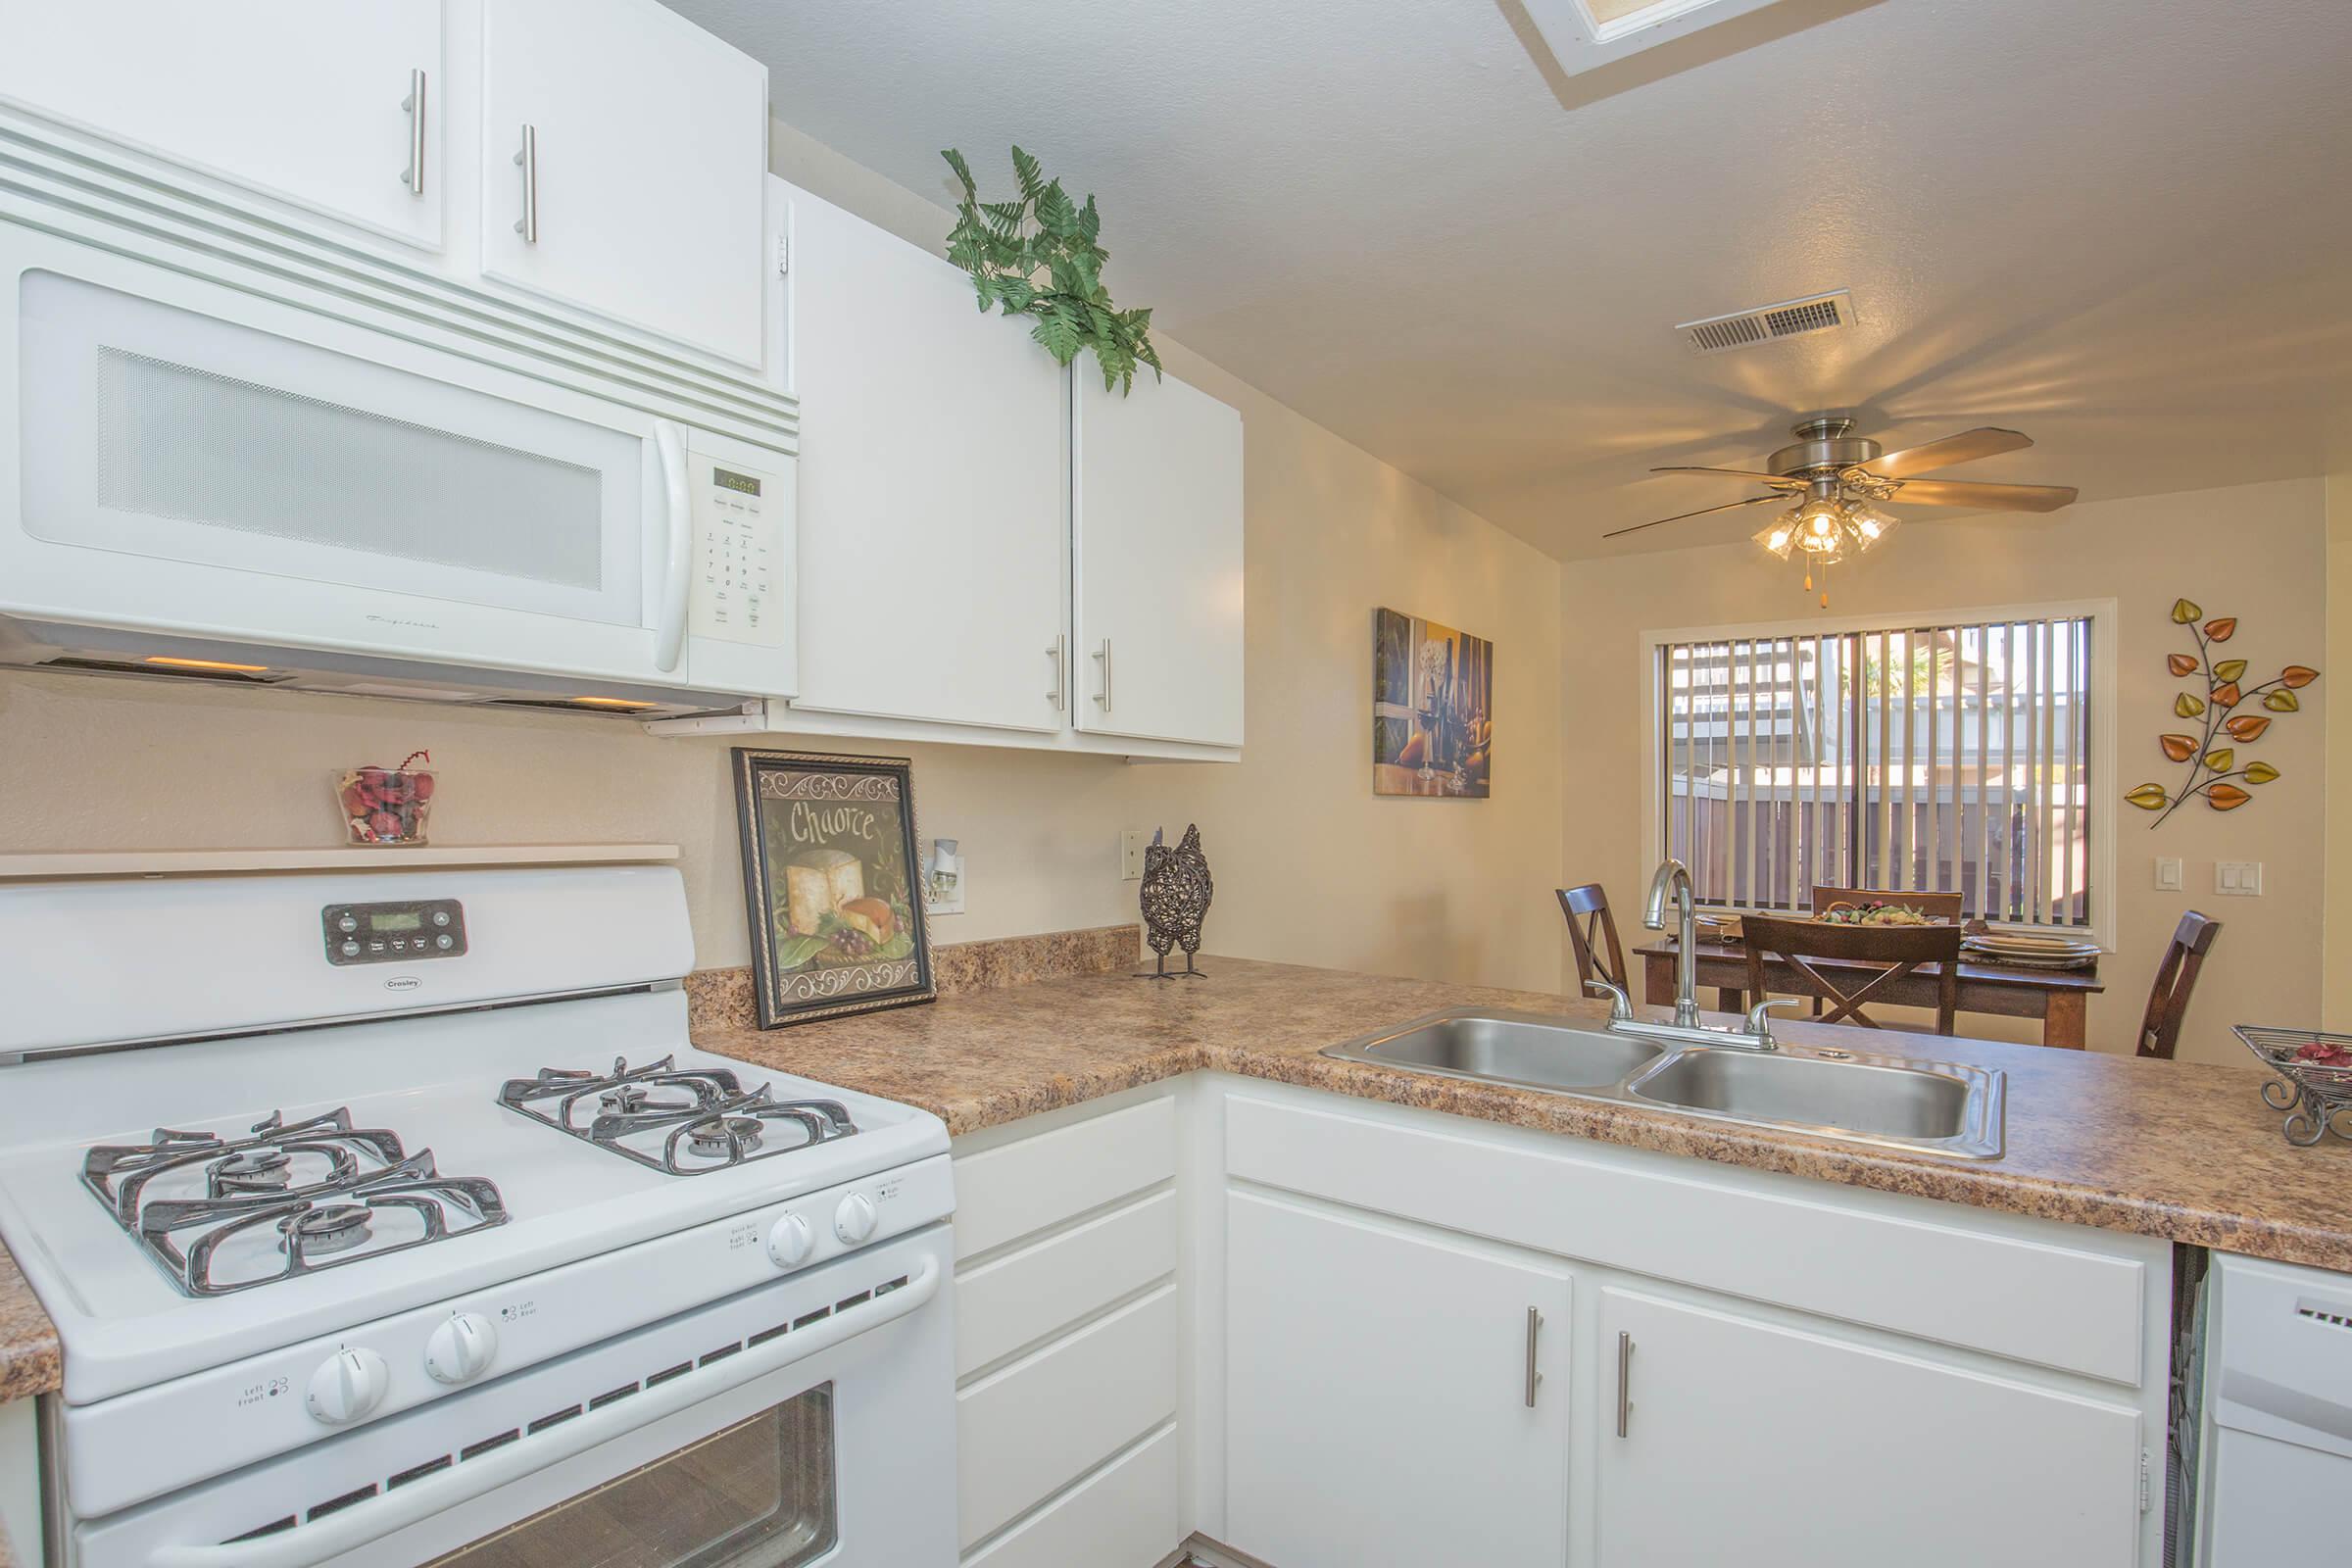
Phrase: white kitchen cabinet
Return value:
(1155, 529)
(1393, 1397)
(1745, 1441)
(310, 103)
(931, 488)
(1071, 1347)
(623, 168)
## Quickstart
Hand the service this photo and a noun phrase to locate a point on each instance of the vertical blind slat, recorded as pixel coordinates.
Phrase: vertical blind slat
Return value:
(1934, 881)
(1817, 834)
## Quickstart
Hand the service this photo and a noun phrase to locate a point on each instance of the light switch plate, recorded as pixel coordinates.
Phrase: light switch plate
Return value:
(1131, 853)
(2243, 878)
(2167, 873)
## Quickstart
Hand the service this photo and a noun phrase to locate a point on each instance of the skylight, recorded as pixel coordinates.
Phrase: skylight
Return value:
(1586, 34)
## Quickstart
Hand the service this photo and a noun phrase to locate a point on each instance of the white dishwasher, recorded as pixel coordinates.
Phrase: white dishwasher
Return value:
(2279, 1415)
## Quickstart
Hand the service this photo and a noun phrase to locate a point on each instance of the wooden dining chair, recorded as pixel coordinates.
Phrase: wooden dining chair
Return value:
(2176, 978)
(1589, 923)
(1935, 906)
(1891, 952)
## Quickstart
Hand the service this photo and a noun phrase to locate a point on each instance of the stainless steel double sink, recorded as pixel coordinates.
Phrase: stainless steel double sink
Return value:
(1894, 1102)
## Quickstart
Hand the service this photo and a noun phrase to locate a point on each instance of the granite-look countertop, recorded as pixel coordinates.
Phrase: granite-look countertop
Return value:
(2182, 1151)
(29, 1358)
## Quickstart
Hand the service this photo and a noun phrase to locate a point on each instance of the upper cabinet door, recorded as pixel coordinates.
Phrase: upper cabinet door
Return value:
(625, 157)
(312, 102)
(1157, 538)
(1392, 1396)
(1720, 1435)
(931, 487)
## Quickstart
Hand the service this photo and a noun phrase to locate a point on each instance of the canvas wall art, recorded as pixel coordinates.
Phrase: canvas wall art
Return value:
(1433, 708)
(831, 885)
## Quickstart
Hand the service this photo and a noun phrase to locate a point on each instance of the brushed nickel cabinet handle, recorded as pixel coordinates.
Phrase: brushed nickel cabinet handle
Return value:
(1535, 1324)
(1625, 1380)
(413, 176)
(1060, 652)
(1104, 653)
(526, 157)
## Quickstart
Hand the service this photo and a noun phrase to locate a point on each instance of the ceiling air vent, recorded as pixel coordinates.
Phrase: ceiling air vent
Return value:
(1816, 312)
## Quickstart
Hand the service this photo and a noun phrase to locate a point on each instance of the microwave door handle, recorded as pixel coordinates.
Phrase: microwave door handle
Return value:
(677, 581)
(348, 1529)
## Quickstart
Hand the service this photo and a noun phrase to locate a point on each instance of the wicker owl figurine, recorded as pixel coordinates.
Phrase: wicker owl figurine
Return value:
(1176, 894)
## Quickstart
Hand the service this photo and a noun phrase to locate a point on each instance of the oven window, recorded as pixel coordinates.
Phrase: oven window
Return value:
(758, 1495)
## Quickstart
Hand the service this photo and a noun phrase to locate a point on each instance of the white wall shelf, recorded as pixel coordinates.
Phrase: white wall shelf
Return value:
(216, 862)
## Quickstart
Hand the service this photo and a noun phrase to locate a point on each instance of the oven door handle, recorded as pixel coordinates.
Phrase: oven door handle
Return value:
(306, 1546)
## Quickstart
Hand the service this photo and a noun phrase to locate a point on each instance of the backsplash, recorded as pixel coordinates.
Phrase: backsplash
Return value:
(722, 999)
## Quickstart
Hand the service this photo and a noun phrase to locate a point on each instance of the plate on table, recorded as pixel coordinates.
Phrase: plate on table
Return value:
(2033, 952)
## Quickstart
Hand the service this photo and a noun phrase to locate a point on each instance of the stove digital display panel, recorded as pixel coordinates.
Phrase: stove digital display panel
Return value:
(393, 933)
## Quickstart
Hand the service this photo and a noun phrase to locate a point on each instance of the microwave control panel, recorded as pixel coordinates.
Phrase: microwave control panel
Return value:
(742, 583)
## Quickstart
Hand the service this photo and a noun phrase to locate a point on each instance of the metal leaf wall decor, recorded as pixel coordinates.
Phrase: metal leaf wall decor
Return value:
(2210, 700)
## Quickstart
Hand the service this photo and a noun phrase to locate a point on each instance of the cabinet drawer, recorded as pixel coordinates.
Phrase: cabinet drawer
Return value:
(1122, 1516)
(1021, 1298)
(1033, 1428)
(1018, 1189)
(1899, 1266)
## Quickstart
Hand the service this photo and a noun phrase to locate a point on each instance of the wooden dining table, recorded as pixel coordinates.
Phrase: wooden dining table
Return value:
(2059, 998)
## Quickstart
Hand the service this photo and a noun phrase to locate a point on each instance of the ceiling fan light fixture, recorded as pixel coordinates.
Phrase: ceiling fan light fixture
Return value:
(1869, 526)
(1779, 537)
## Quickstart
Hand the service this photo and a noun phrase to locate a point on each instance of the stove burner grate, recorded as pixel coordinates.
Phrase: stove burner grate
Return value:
(706, 1120)
(323, 1214)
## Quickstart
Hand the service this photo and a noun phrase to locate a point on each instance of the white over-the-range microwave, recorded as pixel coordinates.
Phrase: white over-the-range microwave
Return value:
(230, 453)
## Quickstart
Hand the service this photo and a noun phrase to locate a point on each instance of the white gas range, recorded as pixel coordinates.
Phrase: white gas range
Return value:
(389, 1218)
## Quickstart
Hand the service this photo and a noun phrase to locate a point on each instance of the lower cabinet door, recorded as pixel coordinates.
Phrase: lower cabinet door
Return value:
(1727, 1440)
(1395, 1398)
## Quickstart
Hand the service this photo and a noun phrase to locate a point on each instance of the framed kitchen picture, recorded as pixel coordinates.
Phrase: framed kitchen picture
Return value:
(1433, 708)
(831, 882)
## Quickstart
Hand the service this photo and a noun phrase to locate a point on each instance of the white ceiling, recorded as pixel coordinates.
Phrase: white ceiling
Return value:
(2124, 226)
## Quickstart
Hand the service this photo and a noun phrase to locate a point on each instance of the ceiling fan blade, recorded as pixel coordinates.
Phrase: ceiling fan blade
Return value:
(1728, 505)
(1737, 474)
(1966, 447)
(1985, 497)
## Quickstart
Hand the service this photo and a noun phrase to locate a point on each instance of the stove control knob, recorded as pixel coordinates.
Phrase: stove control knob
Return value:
(853, 1222)
(460, 1350)
(348, 1385)
(790, 1242)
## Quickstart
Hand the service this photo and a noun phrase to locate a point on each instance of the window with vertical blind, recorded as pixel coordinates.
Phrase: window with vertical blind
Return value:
(1966, 755)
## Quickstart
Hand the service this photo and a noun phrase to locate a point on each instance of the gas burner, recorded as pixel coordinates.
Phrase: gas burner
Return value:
(681, 1121)
(255, 1170)
(226, 1214)
(630, 1098)
(324, 1228)
(721, 1135)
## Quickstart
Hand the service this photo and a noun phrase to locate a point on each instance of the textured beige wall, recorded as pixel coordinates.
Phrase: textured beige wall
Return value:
(2257, 551)
(1308, 867)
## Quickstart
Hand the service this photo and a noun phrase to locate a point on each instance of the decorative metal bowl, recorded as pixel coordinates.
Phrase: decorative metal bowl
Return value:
(2315, 1096)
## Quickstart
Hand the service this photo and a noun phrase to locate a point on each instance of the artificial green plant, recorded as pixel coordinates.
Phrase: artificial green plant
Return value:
(1041, 256)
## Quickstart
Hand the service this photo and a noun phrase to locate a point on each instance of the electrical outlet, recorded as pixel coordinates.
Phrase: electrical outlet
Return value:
(2240, 877)
(1131, 853)
(2167, 873)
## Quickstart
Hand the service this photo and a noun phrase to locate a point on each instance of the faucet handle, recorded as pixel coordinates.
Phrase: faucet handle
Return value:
(1621, 1005)
(1759, 1023)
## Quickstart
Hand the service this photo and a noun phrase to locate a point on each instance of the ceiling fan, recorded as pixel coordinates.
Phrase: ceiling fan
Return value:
(1837, 481)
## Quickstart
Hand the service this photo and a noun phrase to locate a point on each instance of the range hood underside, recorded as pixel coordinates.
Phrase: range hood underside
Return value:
(156, 656)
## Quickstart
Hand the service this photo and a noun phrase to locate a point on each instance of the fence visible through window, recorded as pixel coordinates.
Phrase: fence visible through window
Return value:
(1939, 758)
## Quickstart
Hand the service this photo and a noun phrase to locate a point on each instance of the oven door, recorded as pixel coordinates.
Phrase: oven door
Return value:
(809, 1421)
